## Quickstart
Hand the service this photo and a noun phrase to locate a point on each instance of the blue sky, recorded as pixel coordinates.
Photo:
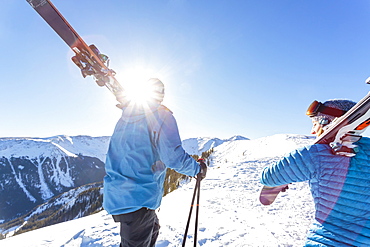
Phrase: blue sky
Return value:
(232, 67)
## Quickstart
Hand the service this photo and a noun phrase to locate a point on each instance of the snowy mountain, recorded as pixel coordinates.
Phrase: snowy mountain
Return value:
(203, 144)
(230, 213)
(33, 170)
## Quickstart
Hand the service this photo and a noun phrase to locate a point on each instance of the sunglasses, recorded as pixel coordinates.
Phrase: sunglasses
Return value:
(317, 107)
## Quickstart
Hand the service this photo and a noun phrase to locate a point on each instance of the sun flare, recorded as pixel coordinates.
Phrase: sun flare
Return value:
(137, 90)
(138, 93)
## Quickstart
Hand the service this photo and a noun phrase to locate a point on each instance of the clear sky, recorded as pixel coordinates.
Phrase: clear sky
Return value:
(247, 67)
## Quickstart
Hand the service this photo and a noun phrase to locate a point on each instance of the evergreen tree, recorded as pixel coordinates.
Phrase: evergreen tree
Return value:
(173, 178)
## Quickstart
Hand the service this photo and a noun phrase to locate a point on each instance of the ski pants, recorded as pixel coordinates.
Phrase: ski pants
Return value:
(139, 228)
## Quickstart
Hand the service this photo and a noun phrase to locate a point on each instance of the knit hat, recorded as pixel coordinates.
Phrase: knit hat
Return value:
(341, 104)
(157, 89)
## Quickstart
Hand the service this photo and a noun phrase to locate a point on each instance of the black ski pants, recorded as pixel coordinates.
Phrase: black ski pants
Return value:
(139, 228)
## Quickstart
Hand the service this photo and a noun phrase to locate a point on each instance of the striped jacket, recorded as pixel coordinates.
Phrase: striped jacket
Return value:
(340, 187)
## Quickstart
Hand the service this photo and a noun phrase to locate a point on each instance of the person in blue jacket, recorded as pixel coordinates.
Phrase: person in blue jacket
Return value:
(144, 144)
(340, 185)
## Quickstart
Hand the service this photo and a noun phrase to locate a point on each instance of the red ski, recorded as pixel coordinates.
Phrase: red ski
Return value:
(87, 58)
(269, 194)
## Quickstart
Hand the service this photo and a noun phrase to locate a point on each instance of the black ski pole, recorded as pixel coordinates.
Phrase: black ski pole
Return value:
(197, 213)
(196, 189)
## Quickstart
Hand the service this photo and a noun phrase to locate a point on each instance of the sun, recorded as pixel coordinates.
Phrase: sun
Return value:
(137, 90)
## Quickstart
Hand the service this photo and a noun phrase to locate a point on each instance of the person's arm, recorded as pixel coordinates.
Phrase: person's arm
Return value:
(298, 166)
(171, 151)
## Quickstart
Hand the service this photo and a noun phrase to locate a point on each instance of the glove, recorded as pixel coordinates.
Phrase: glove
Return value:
(121, 98)
(285, 188)
(203, 169)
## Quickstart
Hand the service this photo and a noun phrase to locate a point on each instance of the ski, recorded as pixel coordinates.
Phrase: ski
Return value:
(87, 57)
(340, 135)
(269, 194)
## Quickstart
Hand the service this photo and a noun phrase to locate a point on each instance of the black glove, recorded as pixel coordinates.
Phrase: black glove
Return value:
(203, 169)
(285, 188)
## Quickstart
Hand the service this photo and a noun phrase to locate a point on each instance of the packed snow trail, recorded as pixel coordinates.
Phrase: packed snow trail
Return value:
(231, 214)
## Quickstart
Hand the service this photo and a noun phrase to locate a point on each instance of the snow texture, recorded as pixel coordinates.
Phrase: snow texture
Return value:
(230, 212)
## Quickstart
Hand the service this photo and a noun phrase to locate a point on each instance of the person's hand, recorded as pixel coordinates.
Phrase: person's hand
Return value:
(203, 169)
(121, 98)
(285, 188)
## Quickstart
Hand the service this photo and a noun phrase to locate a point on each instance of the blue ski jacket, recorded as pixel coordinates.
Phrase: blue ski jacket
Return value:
(340, 187)
(145, 142)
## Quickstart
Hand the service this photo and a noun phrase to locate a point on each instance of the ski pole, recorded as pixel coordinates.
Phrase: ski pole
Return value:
(197, 214)
(196, 189)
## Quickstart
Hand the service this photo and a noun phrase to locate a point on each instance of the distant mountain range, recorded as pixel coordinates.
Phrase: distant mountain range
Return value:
(203, 144)
(34, 170)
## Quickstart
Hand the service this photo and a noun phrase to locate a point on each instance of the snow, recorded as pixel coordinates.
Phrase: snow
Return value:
(18, 178)
(201, 144)
(45, 191)
(230, 212)
(52, 146)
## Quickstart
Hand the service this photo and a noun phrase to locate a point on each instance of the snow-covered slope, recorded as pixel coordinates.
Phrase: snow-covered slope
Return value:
(73, 204)
(230, 213)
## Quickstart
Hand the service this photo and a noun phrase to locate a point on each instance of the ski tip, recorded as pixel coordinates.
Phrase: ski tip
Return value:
(264, 201)
(368, 80)
(269, 194)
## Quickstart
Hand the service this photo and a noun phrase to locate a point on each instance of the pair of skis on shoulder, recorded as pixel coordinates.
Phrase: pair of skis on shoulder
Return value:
(87, 57)
(340, 135)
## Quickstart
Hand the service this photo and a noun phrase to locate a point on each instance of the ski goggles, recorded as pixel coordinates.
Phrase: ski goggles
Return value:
(317, 107)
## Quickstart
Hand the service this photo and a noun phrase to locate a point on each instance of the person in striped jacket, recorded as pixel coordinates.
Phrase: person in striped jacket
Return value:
(340, 185)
